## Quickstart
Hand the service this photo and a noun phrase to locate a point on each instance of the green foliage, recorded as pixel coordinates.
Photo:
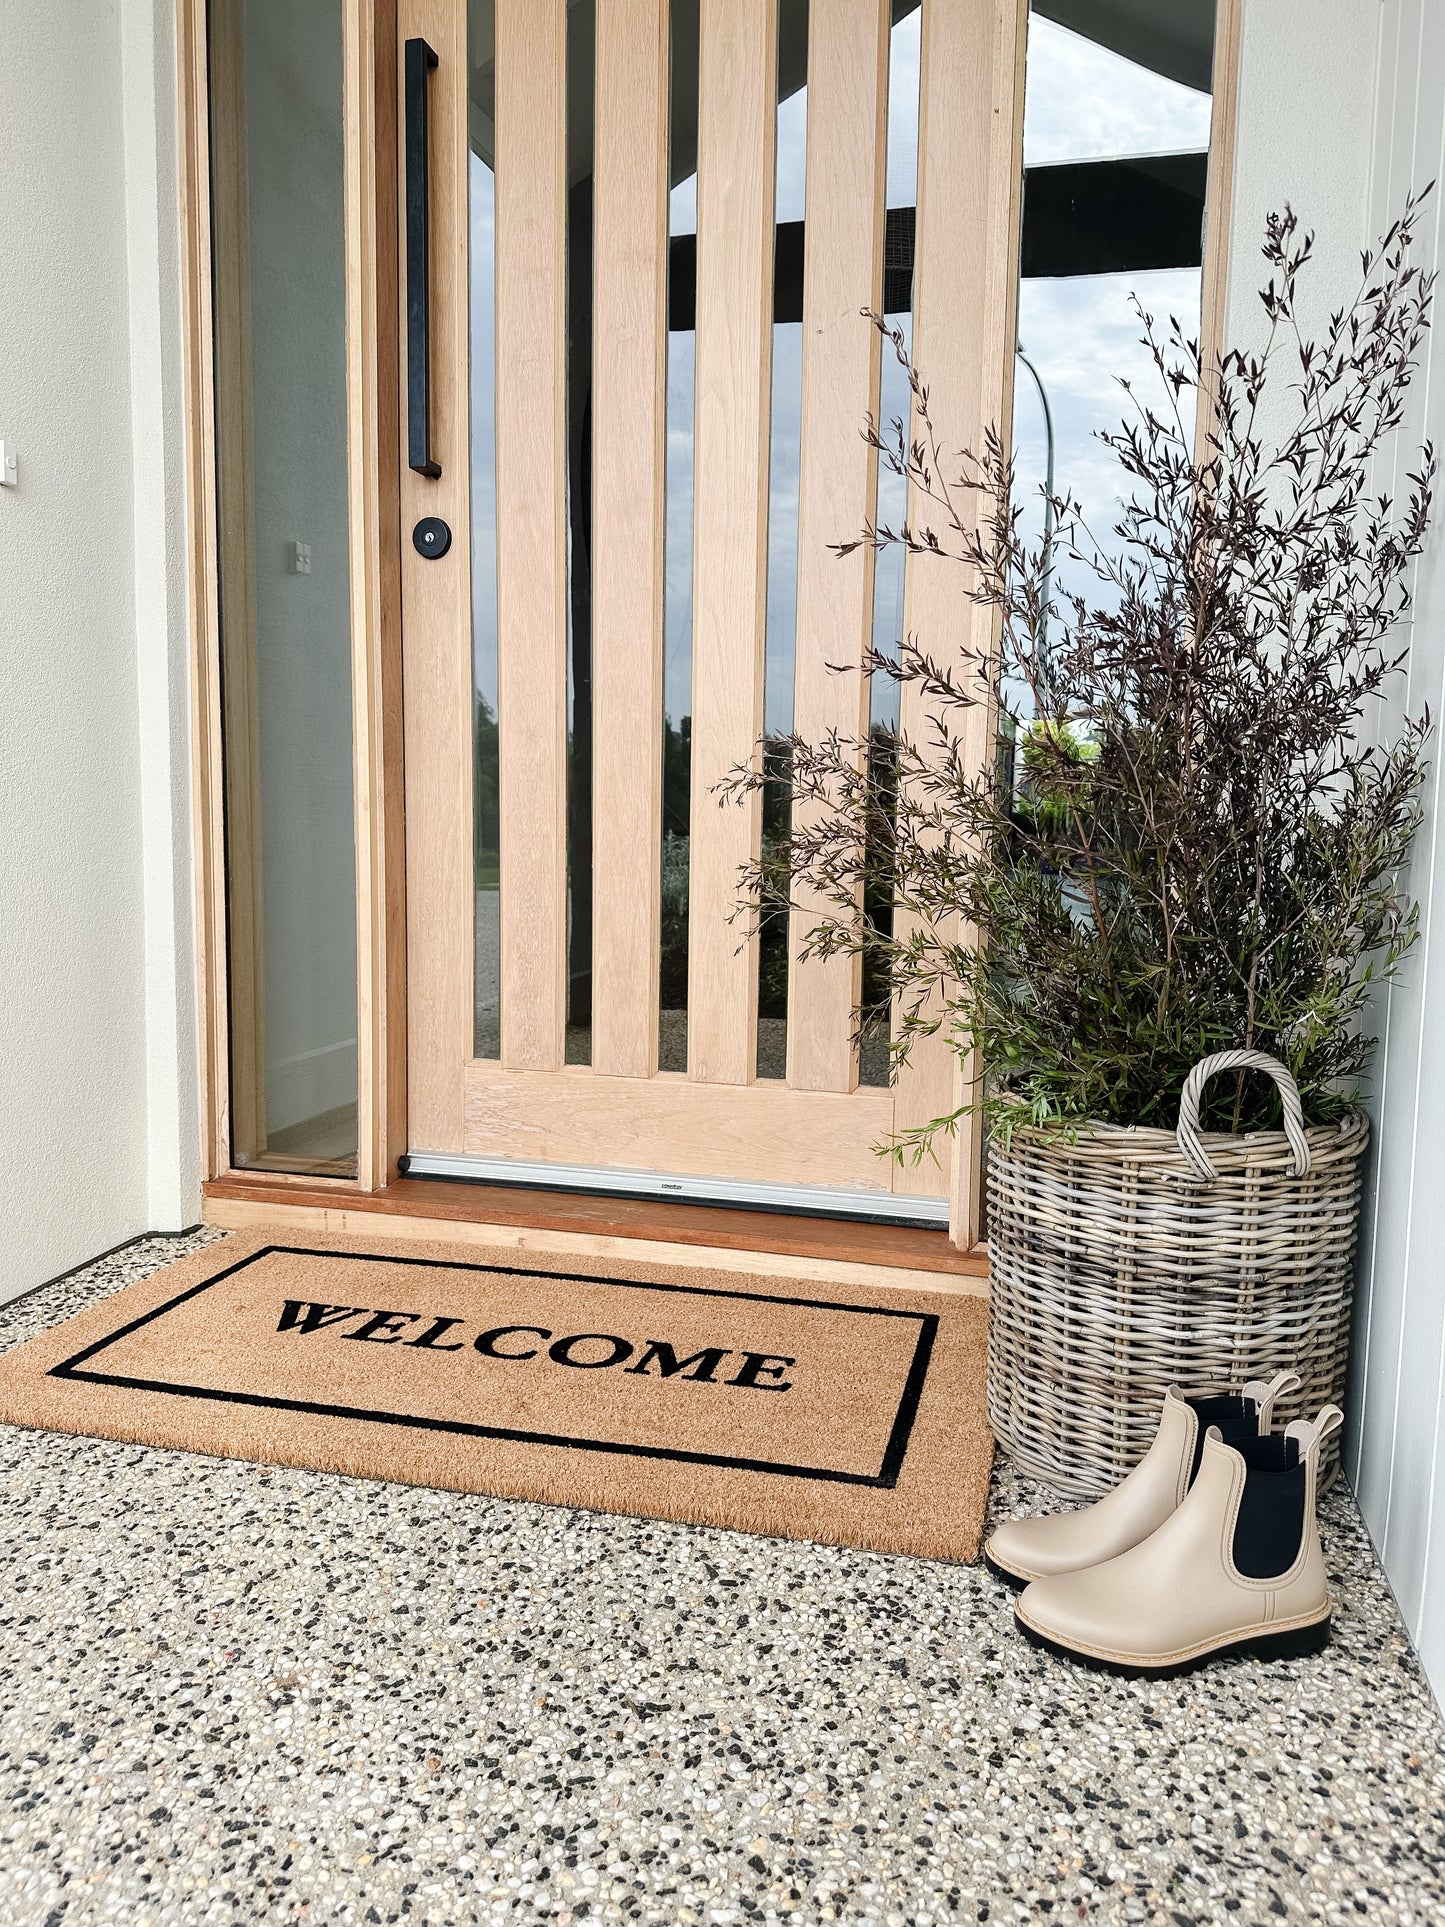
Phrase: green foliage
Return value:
(1194, 844)
(1042, 800)
(486, 826)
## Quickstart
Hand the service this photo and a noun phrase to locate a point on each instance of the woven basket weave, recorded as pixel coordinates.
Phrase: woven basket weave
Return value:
(1130, 1260)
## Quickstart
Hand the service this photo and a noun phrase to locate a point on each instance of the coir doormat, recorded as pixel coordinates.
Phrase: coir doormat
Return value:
(836, 1414)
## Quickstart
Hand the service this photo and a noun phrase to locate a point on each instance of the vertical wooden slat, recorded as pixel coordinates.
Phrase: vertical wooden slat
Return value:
(531, 526)
(373, 448)
(737, 127)
(843, 271)
(629, 417)
(436, 618)
(970, 156)
(1001, 299)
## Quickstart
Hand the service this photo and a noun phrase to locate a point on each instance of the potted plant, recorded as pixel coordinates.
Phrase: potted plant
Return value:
(1185, 870)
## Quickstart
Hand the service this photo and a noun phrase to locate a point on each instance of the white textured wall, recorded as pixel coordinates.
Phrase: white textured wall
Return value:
(1303, 136)
(97, 1055)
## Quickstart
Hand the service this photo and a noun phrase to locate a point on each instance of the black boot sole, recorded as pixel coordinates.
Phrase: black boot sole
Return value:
(1296, 1643)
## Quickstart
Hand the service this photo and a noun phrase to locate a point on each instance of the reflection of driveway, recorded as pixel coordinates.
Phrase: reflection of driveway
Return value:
(488, 928)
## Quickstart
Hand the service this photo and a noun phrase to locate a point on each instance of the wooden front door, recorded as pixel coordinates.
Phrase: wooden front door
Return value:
(548, 324)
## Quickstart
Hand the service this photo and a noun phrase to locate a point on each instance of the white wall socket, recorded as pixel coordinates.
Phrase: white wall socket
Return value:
(8, 475)
(300, 558)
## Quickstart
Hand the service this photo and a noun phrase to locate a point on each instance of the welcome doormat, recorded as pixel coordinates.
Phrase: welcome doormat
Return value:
(852, 1417)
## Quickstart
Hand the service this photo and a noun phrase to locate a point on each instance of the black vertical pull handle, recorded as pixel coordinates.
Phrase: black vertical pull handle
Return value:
(419, 59)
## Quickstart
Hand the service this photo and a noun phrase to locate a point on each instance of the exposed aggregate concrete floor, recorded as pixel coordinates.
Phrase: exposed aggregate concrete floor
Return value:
(229, 1693)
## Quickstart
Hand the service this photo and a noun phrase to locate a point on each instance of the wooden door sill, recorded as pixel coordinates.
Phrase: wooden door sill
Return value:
(251, 1199)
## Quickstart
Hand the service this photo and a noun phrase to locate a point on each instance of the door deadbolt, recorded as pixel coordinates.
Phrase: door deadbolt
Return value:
(431, 537)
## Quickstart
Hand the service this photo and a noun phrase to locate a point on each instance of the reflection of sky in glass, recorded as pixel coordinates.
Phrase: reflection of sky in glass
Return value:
(903, 45)
(484, 430)
(1083, 337)
(682, 207)
(1083, 102)
(786, 437)
(677, 553)
(900, 190)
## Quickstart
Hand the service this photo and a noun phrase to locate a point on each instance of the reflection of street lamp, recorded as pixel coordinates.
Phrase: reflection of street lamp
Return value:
(1048, 506)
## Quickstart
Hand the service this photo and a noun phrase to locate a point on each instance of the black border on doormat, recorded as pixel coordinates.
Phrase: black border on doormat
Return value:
(885, 1479)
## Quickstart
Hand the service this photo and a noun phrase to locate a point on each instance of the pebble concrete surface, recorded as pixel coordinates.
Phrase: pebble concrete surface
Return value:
(229, 1693)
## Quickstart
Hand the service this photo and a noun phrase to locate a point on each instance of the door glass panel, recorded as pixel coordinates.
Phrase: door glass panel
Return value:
(581, 57)
(677, 532)
(482, 386)
(279, 281)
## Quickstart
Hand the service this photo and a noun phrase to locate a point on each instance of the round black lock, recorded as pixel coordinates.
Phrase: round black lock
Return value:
(431, 537)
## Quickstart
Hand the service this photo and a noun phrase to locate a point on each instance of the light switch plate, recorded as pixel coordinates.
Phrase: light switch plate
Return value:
(300, 558)
(8, 468)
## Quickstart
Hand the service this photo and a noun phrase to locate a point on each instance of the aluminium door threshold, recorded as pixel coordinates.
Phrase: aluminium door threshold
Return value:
(796, 1200)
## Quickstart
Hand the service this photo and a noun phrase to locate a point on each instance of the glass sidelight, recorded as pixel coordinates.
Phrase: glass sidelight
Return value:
(482, 399)
(279, 290)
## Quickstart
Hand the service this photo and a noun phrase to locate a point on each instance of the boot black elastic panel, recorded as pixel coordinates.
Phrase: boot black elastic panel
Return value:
(1237, 1419)
(1270, 1525)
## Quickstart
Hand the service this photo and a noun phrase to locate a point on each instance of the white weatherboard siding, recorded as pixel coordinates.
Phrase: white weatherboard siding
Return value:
(97, 1033)
(1342, 116)
(1396, 1446)
(1343, 121)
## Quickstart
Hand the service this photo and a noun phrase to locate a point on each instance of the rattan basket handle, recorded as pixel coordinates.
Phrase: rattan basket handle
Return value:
(1235, 1060)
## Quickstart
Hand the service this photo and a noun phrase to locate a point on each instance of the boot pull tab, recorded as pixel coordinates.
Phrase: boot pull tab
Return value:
(1265, 1395)
(1313, 1432)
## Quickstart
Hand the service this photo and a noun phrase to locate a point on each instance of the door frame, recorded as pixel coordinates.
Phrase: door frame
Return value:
(378, 558)
(370, 96)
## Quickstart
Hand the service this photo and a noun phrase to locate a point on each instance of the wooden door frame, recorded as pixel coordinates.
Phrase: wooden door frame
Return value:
(370, 107)
(377, 560)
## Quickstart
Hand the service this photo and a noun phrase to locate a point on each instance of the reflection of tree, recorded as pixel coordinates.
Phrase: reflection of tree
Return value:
(773, 908)
(773, 917)
(673, 984)
(676, 816)
(486, 813)
(676, 776)
(676, 813)
(878, 874)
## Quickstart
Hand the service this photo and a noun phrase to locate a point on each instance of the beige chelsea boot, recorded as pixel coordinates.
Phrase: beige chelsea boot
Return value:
(1021, 1550)
(1237, 1568)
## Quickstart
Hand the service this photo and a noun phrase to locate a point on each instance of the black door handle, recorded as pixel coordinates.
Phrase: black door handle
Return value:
(419, 59)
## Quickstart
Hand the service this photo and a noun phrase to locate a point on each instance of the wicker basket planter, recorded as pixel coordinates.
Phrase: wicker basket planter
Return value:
(1131, 1260)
